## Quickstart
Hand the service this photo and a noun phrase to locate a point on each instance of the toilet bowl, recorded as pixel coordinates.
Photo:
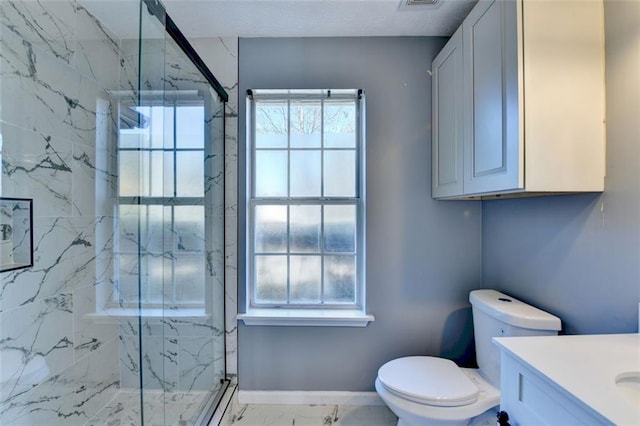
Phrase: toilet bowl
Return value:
(426, 390)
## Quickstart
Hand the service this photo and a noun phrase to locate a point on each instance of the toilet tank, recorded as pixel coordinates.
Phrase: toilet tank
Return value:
(498, 315)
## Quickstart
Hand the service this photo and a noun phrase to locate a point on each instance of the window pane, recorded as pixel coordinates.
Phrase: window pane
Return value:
(306, 123)
(189, 278)
(156, 280)
(168, 181)
(340, 279)
(340, 173)
(271, 173)
(168, 128)
(154, 230)
(128, 278)
(145, 173)
(161, 121)
(190, 174)
(304, 229)
(271, 279)
(142, 121)
(340, 124)
(340, 229)
(305, 279)
(132, 138)
(128, 228)
(144, 228)
(146, 127)
(155, 176)
(270, 229)
(190, 127)
(305, 173)
(305, 155)
(129, 173)
(189, 228)
(272, 121)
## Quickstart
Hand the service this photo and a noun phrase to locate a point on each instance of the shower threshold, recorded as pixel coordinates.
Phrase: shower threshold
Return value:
(180, 408)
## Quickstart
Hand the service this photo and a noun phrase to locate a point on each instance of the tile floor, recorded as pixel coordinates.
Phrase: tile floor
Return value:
(305, 415)
(180, 409)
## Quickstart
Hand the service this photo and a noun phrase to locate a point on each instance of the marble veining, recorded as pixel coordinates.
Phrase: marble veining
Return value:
(178, 353)
(306, 415)
(70, 397)
(51, 97)
(97, 49)
(221, 55)
(48, 25)
(39, 166)
(178, 408)
(64, 259)
(56, 123)
(37, 335)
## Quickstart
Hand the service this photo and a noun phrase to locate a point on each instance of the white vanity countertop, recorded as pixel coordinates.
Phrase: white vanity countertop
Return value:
(585, 366)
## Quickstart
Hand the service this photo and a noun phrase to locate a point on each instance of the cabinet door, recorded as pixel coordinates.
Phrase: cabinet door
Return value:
(493, 149)
(447, 116)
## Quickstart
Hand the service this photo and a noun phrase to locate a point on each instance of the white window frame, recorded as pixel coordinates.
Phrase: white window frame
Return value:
(322, 313)
(160, 201)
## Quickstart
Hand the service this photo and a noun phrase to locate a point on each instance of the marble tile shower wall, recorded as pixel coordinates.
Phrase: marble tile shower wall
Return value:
(225, 50)
(57, 364)
(221, 56)
(179, 354)
(56, 63)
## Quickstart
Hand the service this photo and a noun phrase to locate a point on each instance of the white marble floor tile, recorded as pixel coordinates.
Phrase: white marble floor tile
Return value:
(160, 409)
(306, 415)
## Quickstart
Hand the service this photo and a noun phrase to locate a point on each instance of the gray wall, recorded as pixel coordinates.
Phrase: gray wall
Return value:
(423, 256)
(579, 256)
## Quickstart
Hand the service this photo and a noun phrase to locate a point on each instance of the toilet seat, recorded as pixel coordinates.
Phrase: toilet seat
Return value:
(428, 380)
(419, 414)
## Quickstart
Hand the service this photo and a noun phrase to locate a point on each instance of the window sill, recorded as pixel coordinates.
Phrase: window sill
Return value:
(114, 315)
(306, 317)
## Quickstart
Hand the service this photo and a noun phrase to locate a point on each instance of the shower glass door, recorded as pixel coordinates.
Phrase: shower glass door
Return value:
(170, 213)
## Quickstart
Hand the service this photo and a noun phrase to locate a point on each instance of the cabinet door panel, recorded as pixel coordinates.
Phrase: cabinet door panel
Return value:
(447, 137)
(492, 159)
(488, 146)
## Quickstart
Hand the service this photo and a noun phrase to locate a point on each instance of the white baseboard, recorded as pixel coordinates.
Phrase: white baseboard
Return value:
(309, 397)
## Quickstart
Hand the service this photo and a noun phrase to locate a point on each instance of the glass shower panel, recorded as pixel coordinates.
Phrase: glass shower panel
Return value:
(181, 251)
(156, 352)
(197, 233)
(215, 206)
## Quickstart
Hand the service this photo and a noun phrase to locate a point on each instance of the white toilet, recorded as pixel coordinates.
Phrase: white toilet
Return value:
(425, 390)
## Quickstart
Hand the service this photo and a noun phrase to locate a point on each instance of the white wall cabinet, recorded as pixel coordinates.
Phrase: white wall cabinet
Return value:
(531, 112)
(447, 100)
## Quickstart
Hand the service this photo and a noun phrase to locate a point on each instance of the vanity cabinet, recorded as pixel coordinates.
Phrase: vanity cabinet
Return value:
(530, 398)
(588, 379)
(518, 101)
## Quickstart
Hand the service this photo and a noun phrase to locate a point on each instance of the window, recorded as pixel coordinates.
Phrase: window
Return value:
(305, 206)
(160, 246)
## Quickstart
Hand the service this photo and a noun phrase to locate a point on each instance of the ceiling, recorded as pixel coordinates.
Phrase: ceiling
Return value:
(295, 18)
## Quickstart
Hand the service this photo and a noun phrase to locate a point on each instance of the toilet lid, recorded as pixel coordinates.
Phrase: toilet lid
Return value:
(428, 380)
